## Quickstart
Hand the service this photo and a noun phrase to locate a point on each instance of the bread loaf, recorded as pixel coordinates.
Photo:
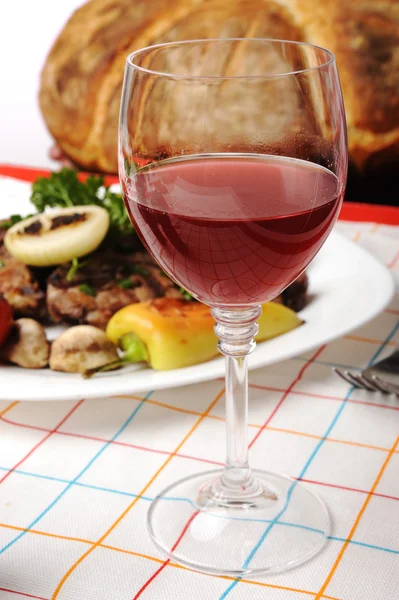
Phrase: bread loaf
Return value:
(82, 77)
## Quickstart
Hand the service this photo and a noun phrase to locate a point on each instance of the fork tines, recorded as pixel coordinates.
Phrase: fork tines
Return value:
(371, 384)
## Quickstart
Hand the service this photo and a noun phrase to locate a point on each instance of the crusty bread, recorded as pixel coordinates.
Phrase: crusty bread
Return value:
(82, 77)
(364, 36)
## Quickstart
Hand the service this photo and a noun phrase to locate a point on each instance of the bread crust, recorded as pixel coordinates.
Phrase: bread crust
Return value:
(82, 77)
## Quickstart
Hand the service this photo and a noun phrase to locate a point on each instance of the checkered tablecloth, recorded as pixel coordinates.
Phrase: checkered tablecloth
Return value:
(76, 478)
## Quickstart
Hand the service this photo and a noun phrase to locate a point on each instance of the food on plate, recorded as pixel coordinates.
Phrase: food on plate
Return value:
(172, 333)
(81, 348)
(64, 189)
(82, 77)
(58, 236)
(117, 287)
(26, 345)
(295, 296)
(6, 320)
(91, 289)
(25, 287)
(19, 285)
(105, 283)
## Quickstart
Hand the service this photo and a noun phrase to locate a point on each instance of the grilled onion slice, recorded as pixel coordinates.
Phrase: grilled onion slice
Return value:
(58, 236)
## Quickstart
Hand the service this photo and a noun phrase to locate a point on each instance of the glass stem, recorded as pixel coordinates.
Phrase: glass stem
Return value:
(236, 330)
(237, 467)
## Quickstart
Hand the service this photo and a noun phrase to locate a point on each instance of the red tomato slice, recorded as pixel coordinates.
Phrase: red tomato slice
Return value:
(6, 320)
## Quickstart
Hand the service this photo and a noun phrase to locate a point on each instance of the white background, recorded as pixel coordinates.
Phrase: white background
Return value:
(28, 29)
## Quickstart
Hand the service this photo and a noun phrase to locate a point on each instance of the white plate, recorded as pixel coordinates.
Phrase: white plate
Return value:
(348, 287)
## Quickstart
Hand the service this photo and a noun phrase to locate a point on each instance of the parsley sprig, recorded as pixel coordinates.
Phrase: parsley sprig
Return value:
(64, 189)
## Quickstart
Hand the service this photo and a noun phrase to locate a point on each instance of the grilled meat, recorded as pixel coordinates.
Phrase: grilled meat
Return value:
(295, 296)
(19, 286)
(105, 284)
(110, 281)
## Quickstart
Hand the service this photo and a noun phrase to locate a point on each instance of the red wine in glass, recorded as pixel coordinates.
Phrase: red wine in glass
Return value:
(233, 229)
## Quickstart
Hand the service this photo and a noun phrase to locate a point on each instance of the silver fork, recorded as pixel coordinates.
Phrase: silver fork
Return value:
(381, 377)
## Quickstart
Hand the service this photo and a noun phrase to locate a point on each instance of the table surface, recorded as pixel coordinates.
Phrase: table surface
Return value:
(76, 478)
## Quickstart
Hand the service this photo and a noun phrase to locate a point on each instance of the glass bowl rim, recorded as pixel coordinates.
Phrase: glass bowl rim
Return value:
(130, 60)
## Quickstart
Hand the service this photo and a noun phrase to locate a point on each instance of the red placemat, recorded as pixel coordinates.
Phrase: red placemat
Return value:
(350, 211)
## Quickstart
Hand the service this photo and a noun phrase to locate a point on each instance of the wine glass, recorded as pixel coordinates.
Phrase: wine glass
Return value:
(233, 162)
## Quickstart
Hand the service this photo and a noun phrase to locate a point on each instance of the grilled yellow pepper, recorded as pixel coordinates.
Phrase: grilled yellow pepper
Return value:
(170, 333)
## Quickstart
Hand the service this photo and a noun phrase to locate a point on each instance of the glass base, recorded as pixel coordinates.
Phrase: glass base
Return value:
(277, 527)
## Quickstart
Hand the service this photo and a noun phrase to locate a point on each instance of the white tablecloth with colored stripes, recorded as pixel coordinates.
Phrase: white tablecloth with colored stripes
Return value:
(76, 478)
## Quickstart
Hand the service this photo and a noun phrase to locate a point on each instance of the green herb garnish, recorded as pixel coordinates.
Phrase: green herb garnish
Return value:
(126, 284)
(139, 270)
(2, 264)
(186, 295)
(87, 289)
(63, 189)
(76, 265)
(11, 221)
